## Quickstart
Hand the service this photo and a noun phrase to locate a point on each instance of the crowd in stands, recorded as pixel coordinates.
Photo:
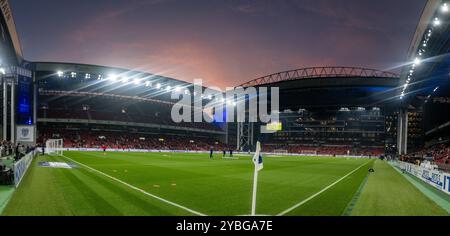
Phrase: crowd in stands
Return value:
(125, 140)
(324, 149)
(438, 154)
(129, 140)
(6, 148)
(16, 150)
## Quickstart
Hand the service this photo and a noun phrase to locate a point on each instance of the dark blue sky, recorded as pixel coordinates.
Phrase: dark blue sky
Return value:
(225, 42)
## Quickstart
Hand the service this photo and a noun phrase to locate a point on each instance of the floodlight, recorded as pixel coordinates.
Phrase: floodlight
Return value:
(417, 61)
(444, 7)
(137, 81)
(158, 85)
(112, 77)
(436, 21)
(60, 73)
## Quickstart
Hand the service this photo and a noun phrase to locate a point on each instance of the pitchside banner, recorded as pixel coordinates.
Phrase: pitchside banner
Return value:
(21, 167)
(446, 184)
(434, 178)
(25, 133)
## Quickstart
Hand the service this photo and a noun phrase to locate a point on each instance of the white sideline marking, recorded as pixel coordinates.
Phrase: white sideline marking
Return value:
(138, 189)
(321, 191)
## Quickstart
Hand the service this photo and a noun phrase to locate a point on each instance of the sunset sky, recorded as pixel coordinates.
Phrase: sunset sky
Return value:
(224, 42)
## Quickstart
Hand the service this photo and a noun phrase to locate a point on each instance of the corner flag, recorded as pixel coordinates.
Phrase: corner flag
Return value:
(257, 158)
(258, 161)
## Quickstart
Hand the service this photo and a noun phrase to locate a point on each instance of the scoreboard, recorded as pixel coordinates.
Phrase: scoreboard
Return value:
(271, 128)
(275, 126)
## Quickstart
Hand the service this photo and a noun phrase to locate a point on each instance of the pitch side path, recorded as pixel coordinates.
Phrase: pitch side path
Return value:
(154, 184)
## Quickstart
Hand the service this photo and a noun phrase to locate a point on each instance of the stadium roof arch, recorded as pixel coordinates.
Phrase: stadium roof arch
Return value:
(330, 86)
(321, 73)
(326, 77)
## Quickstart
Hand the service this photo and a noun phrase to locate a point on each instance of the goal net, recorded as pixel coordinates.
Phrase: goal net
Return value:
(54, 147)
(280, 151)
(309, 152)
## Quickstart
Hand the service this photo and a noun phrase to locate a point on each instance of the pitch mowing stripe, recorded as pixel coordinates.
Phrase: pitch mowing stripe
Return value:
(321, 191)
(348, 210)
(138, 189)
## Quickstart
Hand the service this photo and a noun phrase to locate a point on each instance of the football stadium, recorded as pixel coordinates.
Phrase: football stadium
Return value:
(91, 140)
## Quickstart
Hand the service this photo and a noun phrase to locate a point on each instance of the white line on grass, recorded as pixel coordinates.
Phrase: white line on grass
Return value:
(321, 191)
(138, 189)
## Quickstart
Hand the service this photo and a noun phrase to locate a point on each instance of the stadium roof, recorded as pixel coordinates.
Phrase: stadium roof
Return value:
(10, 47)
(94, 69)
(320, 72)
(428, 56)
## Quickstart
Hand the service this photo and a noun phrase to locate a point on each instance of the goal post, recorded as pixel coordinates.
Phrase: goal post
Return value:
(54, 147)
(281, 151)
(309, 152)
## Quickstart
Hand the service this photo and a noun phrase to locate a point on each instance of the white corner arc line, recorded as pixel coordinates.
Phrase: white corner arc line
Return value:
(321, 191)
(138, 189)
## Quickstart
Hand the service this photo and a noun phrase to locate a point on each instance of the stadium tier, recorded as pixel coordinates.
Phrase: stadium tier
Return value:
(85, 105)
(82, 137)
(328, 131)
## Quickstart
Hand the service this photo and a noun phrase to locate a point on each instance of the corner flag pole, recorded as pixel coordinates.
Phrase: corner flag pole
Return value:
(257, 160)
(255, 187)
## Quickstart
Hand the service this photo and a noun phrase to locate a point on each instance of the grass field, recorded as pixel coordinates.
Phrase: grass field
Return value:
(191, 184)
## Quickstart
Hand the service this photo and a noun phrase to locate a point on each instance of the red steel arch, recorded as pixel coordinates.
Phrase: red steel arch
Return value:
(320, 72)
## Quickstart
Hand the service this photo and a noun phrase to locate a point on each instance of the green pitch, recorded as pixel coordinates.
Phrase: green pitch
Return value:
(191, 184)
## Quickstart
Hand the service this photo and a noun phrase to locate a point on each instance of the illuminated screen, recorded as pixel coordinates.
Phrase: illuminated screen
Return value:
(275, 126)
(25, 101)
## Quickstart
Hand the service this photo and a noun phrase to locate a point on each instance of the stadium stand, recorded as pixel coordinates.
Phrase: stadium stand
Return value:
(125, 140)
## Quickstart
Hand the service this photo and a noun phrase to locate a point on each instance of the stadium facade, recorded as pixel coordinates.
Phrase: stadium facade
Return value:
(337, 109)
